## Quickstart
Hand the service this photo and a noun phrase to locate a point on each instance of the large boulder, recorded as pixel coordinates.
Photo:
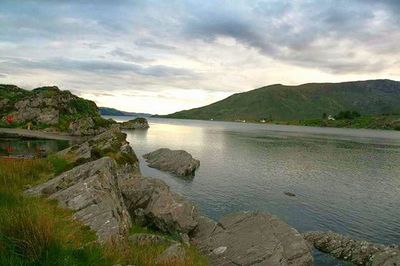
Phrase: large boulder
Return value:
(91, 190)
(178, 162)
(161, 208)
(251, 238)
(354, 251)
(137, 123)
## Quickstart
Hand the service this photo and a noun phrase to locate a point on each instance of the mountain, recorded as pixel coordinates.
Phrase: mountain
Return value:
(49, 108)
(307, 101)
(115, 112)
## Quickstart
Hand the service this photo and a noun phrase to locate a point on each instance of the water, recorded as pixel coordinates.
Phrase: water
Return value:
(28, 147)
(347, 181)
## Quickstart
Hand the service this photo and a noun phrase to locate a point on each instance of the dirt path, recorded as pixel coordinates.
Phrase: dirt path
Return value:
(24, 133)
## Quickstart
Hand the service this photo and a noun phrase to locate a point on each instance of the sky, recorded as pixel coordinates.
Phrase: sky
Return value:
(164, 56)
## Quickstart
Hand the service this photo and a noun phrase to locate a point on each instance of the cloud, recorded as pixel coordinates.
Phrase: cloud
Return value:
(126, 56)
(160, 49)
(98, 66)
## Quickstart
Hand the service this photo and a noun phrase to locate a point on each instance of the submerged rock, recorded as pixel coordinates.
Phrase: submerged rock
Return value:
(178, 162)
(137, 123)
(290, 194)
(162, 208)
(91, 190)
(355, 251)
(251, 238)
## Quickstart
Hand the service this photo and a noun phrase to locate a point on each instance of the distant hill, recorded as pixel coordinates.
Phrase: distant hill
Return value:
(307, 101)
(115, 112)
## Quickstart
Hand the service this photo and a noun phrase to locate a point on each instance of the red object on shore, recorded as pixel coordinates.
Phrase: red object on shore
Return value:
(9, 149)
(10, 119)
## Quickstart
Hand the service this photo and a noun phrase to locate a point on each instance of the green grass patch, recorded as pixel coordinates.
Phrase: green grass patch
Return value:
(36, 231)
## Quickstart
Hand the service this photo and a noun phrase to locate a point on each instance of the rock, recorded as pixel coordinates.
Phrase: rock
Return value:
(178, 162)
(164, 209)
(91, 191)
(137, 123)
(251, 238)
(174, 254)
(139, 217)
(149, 239)
(84, 126)
(355, 251)
(290, 194)
(50, 107)
(112, 141)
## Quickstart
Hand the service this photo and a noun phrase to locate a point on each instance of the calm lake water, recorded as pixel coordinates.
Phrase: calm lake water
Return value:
(347, 181)
(29, 147)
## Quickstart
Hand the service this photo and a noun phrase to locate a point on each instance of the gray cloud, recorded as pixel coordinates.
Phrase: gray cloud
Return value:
(277, 36)
(98, 66)
(214, 47)
(126, 56)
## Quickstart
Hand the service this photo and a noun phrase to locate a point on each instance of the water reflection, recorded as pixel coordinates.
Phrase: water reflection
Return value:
(30, 148)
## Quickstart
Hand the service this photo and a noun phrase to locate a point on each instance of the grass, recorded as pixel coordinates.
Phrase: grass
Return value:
(36, 231)
(146, 255)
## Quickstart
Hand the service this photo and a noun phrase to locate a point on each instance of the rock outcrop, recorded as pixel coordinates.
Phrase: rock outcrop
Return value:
(85, 126)
(178, 162)
(51, 109)
(137, 123)
(251, 238)
(112, 141)
(355, 251)
(91, 190)
(160, 207)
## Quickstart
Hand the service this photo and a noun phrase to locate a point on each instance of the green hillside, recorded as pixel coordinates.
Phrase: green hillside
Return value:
(307, 101)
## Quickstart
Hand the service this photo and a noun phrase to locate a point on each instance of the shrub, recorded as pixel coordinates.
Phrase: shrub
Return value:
(347, 115)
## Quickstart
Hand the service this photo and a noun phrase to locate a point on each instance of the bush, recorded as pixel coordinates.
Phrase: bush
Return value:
(347, 115)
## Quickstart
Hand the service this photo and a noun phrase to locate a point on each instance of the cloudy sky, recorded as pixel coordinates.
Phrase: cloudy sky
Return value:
(163, 56)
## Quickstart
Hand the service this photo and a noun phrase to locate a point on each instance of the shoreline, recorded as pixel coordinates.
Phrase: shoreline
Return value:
(36, 134)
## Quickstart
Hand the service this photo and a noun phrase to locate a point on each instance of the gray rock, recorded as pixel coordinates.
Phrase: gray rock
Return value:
(178, 162)
(137, 123)
(91, 191)
(110, 141)
(149, 239)
(251, 238)
(82, 127)
(164, 209)
(139, 217)
(355, 251)
(173, 254)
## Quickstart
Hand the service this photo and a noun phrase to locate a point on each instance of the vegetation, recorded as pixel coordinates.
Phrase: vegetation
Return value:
(389, 122)
(35, 231)
(308, 101)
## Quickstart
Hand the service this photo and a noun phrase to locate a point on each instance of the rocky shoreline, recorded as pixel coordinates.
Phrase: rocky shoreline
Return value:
(107, 192)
